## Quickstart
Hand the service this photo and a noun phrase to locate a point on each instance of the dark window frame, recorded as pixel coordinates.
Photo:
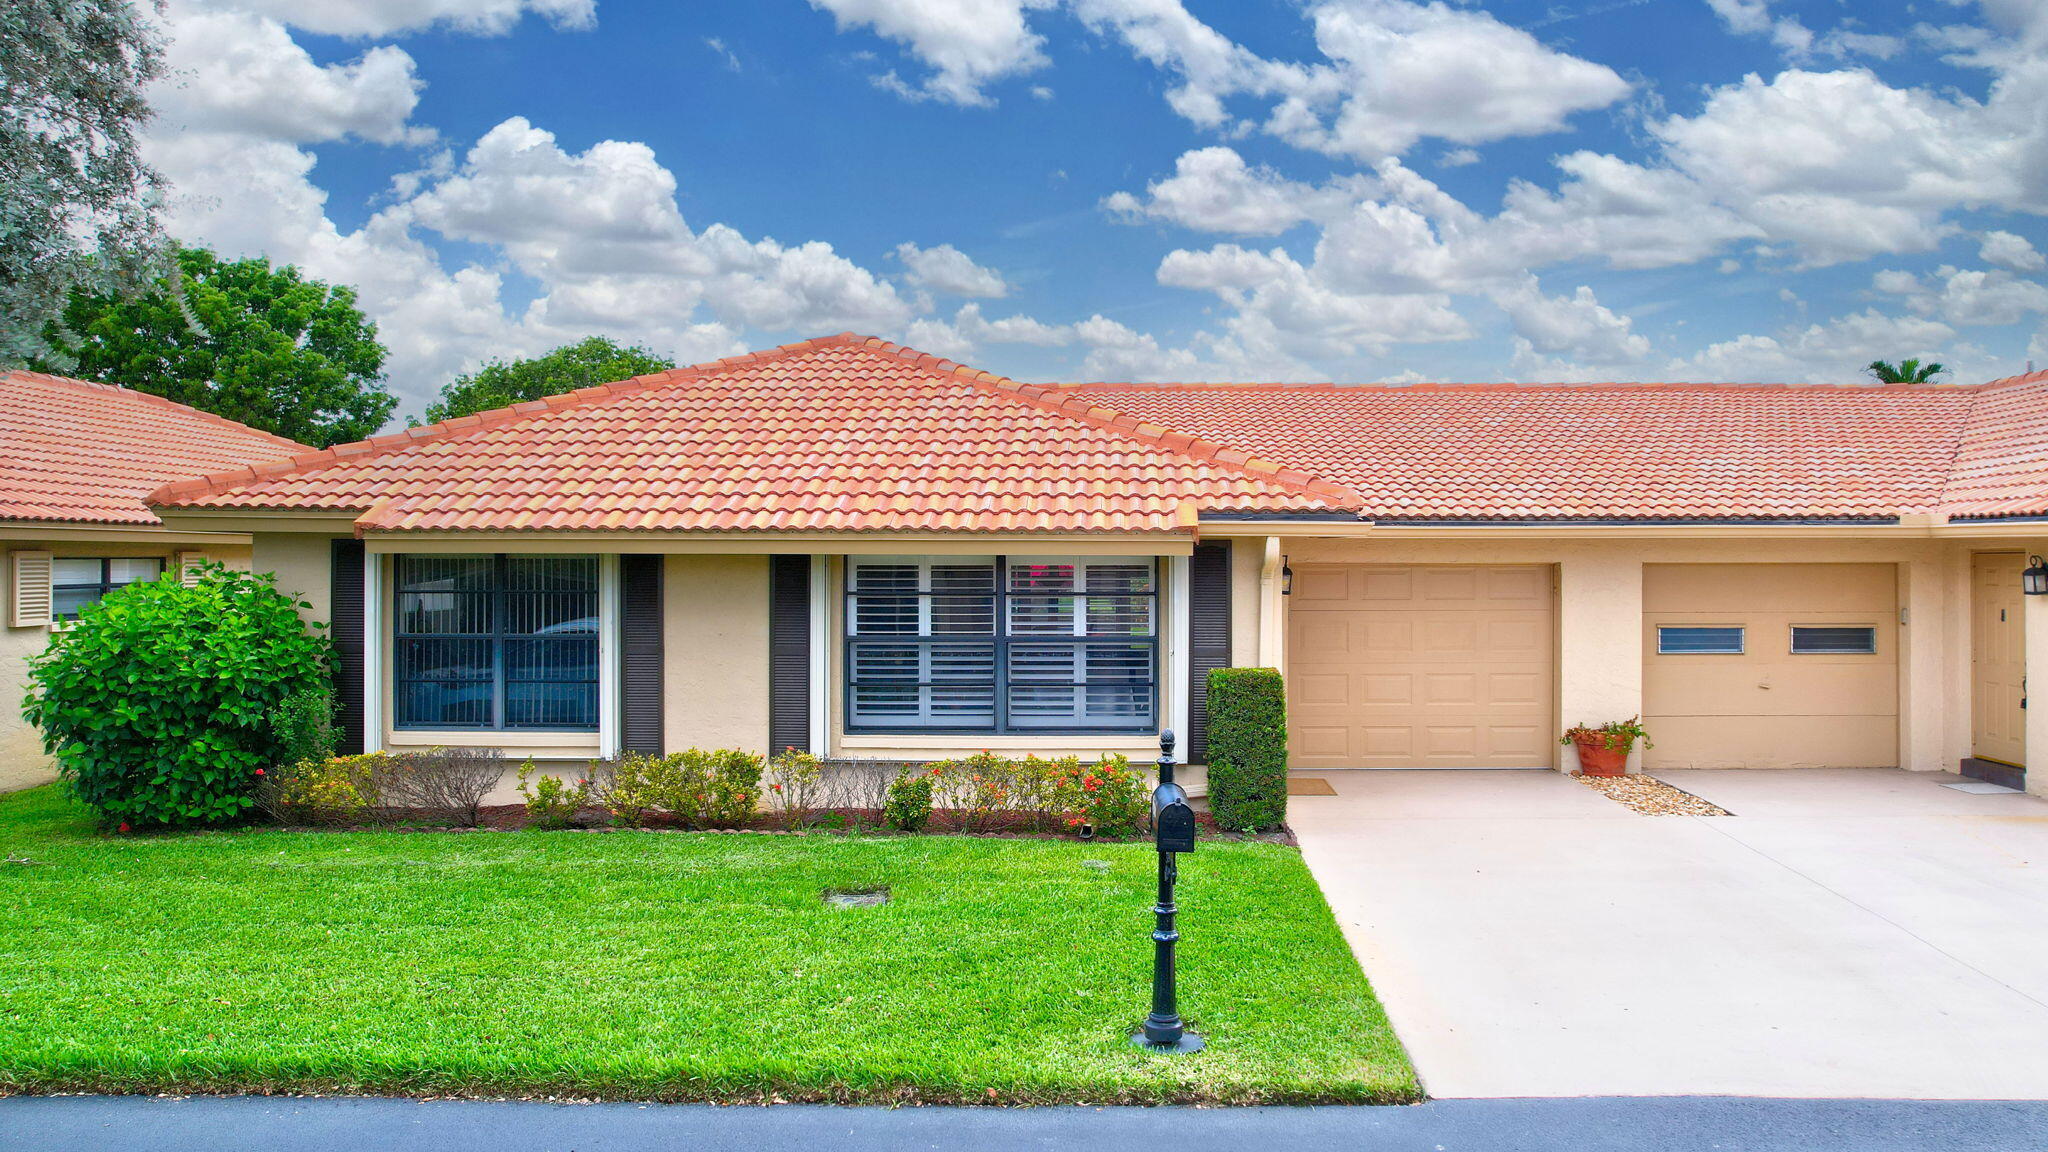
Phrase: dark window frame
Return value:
(1792, 640)
(1001, 642)
(495, 595)
(1741, 640)
(100, 588)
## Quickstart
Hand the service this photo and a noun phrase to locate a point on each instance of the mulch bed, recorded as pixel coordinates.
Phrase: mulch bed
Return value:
(1651, 796)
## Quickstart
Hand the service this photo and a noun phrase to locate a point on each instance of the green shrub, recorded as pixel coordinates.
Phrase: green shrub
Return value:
(157, 702)
(1109, 794)
(302, 724)
(551, 802)
(695, 788)
(1247, 748)
(325, 789)
(910, 802)
(796, 786)
(975, 787)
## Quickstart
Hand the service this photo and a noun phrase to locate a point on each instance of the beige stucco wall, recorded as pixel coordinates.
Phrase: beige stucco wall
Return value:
(2036, 611)
(1600, 639)
(715, 652)
(303, 563)
(22, 761)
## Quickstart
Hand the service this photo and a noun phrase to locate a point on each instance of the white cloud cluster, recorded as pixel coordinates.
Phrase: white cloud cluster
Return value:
(947, 269)
(1391, 72)
(365, 18)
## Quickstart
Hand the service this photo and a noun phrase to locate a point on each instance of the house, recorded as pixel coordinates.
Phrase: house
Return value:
(848, 546)
(76, 459)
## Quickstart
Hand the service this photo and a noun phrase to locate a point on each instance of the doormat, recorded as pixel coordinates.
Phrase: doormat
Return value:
(1309, 786)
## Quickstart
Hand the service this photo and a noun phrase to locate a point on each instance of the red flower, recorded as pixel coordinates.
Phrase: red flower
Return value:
(259, 771)
(124, 826)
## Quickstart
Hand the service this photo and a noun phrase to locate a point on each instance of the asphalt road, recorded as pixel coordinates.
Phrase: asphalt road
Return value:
(1665, 1124)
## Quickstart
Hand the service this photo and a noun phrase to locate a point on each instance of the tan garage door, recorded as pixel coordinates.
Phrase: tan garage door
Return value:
(1419, 667)
(1771, 665)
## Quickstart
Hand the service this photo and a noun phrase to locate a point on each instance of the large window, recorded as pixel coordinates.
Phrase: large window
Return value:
(1017, 645)
(76, 582)
(497, 642)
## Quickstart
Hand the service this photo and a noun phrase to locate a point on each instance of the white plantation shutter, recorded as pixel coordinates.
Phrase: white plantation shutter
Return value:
(188, 567)
(28, 589)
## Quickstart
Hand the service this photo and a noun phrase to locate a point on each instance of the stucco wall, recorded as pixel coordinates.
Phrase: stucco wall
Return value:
(22, 761)
(303, 563)
(715, 652)
(1600, 656)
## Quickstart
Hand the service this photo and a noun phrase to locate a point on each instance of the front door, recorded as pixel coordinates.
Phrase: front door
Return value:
(1997, 659)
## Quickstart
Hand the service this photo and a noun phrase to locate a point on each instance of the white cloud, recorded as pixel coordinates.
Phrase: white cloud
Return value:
(232, 72)
(969, 44)
(1753, 18)
(2010, 251)
(370, 18)
(1967, 297)
(1577, 326)
(1214, 190)
(1403, 72)
(947, 269)
(1834, 352)
(1458, 158)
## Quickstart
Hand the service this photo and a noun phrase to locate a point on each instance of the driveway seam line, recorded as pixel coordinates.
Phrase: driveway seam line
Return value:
(1855, 903)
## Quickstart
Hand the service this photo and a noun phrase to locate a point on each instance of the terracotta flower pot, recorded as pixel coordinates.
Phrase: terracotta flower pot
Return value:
(1597, 759)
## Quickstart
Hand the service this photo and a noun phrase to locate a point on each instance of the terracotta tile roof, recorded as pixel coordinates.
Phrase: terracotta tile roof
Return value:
(73, 450)
(844, 433)
(2001, 465)
(1630, 451)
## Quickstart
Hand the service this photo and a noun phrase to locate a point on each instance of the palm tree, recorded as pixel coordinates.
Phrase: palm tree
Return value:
(1909, 371)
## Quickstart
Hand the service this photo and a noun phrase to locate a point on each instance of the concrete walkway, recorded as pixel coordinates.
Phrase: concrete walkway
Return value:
(1848, 933)
(242, 1124)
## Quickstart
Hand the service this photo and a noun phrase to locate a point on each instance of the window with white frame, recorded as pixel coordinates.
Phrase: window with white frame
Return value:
(1002, 644)
(78, 581)
(496, 642)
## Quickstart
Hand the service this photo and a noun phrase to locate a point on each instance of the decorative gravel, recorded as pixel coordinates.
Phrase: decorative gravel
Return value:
(1651, 796)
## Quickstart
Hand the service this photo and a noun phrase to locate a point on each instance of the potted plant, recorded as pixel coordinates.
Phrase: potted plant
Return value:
(1603, 750)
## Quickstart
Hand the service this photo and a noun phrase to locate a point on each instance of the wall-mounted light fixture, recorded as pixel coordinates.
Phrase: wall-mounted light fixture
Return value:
(1287, 577)
(2034, 581)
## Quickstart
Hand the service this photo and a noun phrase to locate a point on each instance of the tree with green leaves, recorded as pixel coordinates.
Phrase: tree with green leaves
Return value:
(594, 360)
(242, 339)
(1907, 371)
(78, 207)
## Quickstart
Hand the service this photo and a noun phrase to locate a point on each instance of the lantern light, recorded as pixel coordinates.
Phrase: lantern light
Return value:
(2034, 581)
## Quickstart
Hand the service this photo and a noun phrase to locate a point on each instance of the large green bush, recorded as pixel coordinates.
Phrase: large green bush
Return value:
(1247, 748)
(158, 701)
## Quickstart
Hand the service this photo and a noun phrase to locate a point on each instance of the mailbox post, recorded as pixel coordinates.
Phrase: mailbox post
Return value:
(1173, 832)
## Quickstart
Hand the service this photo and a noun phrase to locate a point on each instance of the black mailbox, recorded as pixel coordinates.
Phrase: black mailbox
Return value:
(1173, 822)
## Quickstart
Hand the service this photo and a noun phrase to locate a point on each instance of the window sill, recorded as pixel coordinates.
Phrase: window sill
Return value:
(1097, 742)
(490, 737)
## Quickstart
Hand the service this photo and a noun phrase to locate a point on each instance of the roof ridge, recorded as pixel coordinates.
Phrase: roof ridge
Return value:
(152, 398)
(1130, 427)
(1498, 386)
(2022, 378)
(475, 422)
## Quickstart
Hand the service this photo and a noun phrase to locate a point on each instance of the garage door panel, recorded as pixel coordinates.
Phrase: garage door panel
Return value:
(1446, 667)
(1767, 707)
(1776, 741)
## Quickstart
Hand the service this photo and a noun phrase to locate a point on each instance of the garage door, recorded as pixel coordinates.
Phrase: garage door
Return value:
(1771, 665)
(1419, 667)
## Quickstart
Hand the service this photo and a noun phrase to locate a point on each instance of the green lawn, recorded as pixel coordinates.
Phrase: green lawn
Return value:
(662, 966)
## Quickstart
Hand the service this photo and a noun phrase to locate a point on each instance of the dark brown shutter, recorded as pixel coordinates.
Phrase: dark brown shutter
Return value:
(345, 617)
(789, 653)
(640, 626)
(1208, 637)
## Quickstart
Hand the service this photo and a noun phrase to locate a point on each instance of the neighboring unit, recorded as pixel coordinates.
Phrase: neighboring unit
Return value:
(852, 547)
(76, 459)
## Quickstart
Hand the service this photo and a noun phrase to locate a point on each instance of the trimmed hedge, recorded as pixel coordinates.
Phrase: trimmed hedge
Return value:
(1247, 748)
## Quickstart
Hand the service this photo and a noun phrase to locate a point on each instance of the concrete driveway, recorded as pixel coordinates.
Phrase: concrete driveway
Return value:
(1848, 933)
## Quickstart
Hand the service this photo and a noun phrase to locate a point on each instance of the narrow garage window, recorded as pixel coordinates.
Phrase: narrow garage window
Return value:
(1692, 640)
(1833, 639)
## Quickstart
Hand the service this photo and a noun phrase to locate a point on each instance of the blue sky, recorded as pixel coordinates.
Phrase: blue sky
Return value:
(1084, 189)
